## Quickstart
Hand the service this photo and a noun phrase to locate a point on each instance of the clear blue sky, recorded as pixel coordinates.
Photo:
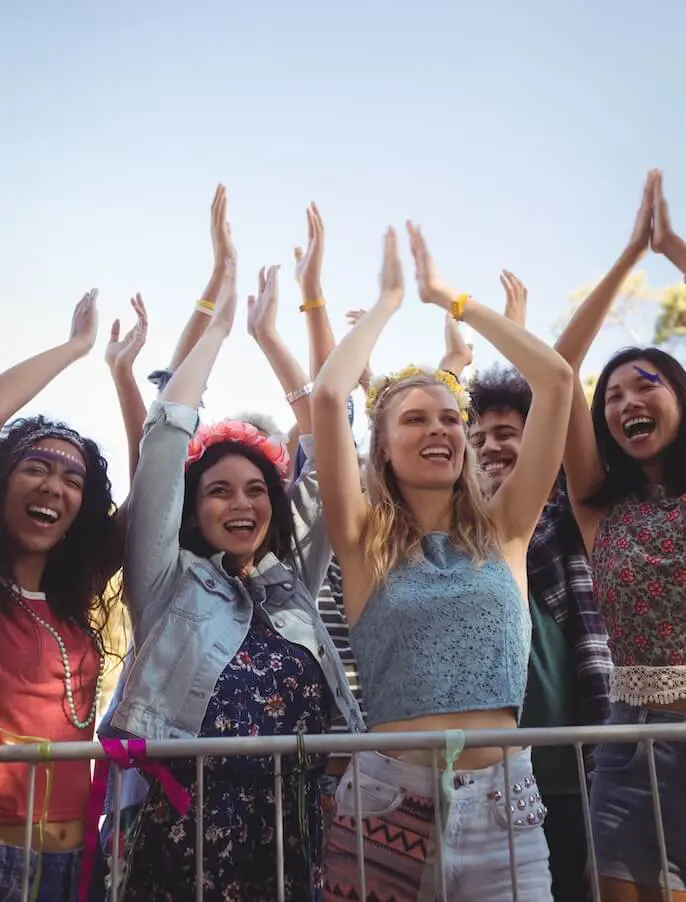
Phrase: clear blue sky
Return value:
(517, 134)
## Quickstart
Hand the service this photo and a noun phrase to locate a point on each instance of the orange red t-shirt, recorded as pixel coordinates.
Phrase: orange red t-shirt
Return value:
(33, 704)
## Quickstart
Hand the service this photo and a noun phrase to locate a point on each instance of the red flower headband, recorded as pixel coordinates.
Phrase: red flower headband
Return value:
(270, 447)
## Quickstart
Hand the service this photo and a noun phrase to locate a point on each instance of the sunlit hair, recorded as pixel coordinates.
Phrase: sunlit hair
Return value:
(392, 533)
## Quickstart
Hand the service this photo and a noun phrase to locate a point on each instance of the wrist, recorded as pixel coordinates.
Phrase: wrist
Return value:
(267, 338)
(77, 348)
(122, 371)
(311, 293)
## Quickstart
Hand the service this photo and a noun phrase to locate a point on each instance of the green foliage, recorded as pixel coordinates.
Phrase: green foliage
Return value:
(671, 320)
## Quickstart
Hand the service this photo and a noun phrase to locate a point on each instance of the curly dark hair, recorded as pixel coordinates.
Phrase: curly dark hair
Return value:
(624, 476)
(280, 538)
(499, 388)
(78, 573)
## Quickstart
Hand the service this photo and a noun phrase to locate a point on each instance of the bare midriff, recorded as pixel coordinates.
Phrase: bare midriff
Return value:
(57, 837)
(471, 758)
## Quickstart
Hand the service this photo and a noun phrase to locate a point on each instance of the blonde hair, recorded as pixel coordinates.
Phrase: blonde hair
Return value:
(391, 533)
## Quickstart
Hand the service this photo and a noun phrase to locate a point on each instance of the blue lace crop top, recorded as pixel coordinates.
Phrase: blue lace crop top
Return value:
(442, 635)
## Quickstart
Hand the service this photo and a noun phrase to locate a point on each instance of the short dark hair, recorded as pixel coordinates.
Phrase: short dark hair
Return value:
(624, 475)
(280, 537)
(499, 388)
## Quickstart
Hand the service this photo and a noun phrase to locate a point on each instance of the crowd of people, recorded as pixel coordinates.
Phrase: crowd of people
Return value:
(503, 556)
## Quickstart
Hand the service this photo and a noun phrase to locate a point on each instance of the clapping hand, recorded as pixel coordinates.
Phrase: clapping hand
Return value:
(122, 352)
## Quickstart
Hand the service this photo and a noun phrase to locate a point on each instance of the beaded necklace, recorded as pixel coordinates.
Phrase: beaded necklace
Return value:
(68, 687)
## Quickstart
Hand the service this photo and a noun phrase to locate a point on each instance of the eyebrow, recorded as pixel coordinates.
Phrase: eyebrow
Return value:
(45, 455)
(225, 482)
(422, 410)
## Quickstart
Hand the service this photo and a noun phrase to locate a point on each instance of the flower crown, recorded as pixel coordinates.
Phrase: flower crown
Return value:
(380, 385)
(272, 448)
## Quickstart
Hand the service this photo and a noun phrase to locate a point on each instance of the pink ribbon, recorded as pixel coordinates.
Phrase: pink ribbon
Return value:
(135, 756)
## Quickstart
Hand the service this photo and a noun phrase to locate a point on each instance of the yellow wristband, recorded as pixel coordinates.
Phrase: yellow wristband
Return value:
(312, 305)
(206, 307)
(458, 305)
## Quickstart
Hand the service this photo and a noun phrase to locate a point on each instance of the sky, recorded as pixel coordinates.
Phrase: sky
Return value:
(518, 135)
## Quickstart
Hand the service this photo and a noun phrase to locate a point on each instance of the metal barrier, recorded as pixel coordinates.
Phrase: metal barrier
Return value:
(352, 744)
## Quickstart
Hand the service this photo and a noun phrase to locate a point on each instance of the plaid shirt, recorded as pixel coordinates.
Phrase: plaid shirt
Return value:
(560, 576)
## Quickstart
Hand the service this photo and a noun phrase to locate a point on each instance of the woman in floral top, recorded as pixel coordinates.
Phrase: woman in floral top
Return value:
(626, 469)
(220, 571)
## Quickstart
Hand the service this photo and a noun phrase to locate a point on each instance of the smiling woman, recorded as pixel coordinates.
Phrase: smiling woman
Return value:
(434, 577)
(59, 547)
(223, 560)
(626, 477)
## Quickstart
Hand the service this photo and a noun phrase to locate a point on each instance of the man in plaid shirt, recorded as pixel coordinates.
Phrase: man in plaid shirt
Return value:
(570, 661)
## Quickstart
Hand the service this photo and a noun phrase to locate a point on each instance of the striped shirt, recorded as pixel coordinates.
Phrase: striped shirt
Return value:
(330, 604)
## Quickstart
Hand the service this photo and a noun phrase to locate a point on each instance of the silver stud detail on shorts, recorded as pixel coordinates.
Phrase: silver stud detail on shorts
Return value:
(517, 787)
(531, 818)
(527, 782)
(519, 822)
(521, 804)
(495, 796)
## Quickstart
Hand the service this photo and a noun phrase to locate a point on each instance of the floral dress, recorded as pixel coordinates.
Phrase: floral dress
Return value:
(271, 687)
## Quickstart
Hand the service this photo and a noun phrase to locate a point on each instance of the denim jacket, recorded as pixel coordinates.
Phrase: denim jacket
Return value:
(189, 616)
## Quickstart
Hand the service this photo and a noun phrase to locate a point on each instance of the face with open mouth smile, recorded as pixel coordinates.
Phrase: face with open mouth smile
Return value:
(424, 437)
(43, 495)
(233, 508)
(496, 438)
(641, 410)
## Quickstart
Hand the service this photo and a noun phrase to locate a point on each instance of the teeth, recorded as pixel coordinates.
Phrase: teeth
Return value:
(436, 451)
(46, 512)
(239, 524)
(634, 421)
(495, 465)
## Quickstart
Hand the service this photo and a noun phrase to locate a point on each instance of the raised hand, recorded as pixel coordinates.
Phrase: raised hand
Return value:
(122, 352)
(432, 290)
(663, 234)
(263, 308)
(392, 285)
(641, 236)
(84, 323)
(516, 296)
(220, 230)
(308, 265)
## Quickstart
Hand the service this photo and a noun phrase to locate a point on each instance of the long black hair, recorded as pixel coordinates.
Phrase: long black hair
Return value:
(77, 576)
(280, 538)
(624, 476)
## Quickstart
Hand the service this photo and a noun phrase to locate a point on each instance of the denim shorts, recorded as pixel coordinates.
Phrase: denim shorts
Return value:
(399, 839)
(59, 875)
(622, 807)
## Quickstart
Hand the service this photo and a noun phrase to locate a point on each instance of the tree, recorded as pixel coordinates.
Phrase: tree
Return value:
(589, 383)
(670, 325)
(635, 303)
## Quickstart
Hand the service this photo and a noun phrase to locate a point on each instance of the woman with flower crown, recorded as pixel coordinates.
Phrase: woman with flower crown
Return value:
(434, 577)
(61, 545)
(227, 636)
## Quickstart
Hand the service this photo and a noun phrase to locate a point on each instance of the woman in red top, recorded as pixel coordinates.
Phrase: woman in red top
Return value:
(59, 547)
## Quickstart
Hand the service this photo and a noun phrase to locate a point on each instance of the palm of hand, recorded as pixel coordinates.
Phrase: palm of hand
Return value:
(262, 311)
(126, 350)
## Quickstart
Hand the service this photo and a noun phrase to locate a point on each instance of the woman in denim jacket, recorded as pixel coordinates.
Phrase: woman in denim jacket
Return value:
(228, 640)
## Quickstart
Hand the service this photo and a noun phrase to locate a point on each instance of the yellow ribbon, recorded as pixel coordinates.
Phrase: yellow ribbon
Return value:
(44, 748)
